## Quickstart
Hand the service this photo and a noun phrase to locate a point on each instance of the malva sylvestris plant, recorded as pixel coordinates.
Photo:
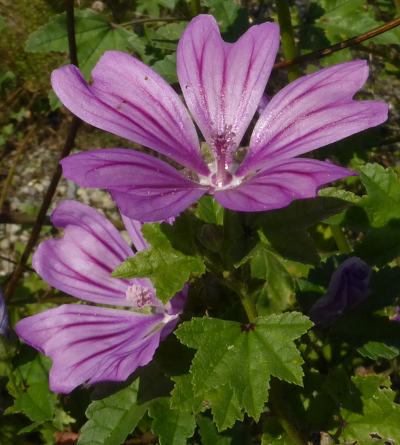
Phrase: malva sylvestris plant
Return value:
(222, 84)
(88, 343)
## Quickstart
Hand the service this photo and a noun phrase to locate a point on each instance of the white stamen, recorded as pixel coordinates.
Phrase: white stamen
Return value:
(139, 296)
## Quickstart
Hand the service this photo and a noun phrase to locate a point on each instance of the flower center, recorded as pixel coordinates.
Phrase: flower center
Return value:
(139, 296)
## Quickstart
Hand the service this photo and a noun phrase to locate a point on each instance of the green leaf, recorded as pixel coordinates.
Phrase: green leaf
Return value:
(383, 200)
(38, 403)
(374, 350)
(183, 397)
(301, 214)
(28, 384)
(233, 363)
(111, 419)
(166, 68)
(286, 228)
(172, 425)
(94, 35)
(169, 269)
(225, 12)
(344, 19)
(380, 245)
(379, 415)
(208, 433)
(166, 37)
(279, 285)
(209, 210)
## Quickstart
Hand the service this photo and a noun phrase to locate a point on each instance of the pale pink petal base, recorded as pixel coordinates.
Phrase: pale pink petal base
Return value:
(145, 188)
(279, 186)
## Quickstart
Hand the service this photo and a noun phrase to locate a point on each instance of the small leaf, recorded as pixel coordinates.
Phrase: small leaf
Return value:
(374, 350)
(379, 415)
(208, 433)
(94, 35)
(166, 68)
(172, 425)
(209, 210)
(111, 419)
(233, 363)
(38, 403)
(169, 269)
(383, 200)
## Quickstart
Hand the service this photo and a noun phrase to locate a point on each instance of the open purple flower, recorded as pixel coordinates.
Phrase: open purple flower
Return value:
(223, 84)
(88, 343)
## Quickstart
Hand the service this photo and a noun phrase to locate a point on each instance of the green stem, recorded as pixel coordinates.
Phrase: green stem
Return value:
(240, 289)
(196, 7)
(397, 4)
(249, 306)
(279, 408)
(289, 47)
(340, 239)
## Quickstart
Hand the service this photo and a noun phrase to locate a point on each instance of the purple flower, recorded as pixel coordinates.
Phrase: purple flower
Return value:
(88, 343)
(4, 325)
(348, 287)
(222, 84)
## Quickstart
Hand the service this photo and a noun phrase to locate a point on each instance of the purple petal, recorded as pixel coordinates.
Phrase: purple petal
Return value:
(131, 100)
(81, 262)
(145, 188)
(278, 186)
(134, 229)
(92, 344)
(223, 82)
(312, 112)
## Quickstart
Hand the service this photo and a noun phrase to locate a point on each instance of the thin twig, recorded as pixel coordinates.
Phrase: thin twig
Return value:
(69, 143)
(11, 172)
(339, 46)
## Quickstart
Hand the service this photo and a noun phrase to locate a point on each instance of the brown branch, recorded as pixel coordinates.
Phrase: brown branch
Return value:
(339, 46)
(21, 218)
(69, 143)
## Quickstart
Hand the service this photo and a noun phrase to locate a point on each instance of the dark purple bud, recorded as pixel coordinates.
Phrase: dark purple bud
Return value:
(348, 287)
(4, 326)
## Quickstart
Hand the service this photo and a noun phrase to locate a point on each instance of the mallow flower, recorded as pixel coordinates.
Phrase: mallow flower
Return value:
(348, 287)
(89, 343)
(223, 84)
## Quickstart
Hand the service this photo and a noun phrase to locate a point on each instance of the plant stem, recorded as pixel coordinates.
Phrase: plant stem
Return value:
(289, 47)
(397, 4)
(340, 239)
(342, 45)
(249, 306)
(196, 7)
(277, 402)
